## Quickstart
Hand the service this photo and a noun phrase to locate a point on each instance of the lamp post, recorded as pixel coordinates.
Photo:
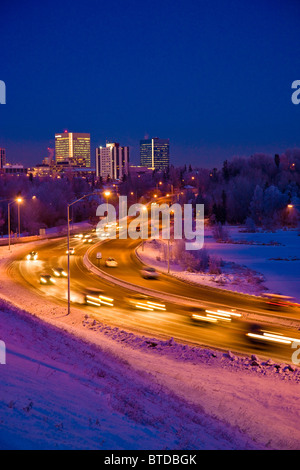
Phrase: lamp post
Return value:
(107, 194)
(9, 204)
(68, 244)
(144, 210)
(19, 200)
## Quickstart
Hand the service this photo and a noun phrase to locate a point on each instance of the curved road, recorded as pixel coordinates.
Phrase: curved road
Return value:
(175, 321)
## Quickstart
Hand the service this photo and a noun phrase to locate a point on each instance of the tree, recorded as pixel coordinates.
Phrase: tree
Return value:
(2, 220)
(256, 205)
(225, 171)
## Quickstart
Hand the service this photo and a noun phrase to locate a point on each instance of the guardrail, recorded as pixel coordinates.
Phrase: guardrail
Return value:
(32, 238)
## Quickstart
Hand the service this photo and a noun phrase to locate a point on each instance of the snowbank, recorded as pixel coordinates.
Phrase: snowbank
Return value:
(252, 263)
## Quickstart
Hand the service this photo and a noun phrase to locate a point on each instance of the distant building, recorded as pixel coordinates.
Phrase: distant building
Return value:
(155, 153)
(137, 171)
(41, 170)
(2, 158)
(73, 147)
(112, 161)
(62, 169)
(16, 169)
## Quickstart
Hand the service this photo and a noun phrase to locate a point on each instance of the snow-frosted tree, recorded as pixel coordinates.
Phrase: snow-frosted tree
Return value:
(257, 205)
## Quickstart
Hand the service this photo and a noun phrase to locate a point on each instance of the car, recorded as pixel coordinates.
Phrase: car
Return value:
(111, 263)
(277, 302)
(133, 298)
(258, 335)
(72, 251)
(59, 272)
(47, 279)
(149, 273)
(87, 240)
(32, 256)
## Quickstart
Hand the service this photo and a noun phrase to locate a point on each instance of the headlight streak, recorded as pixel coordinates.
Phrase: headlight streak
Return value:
(281, 337)
(98, 301)
(268, 338)
(223, 315)
(93, 300)
(106, 300)
(233, 314)
(157, 306)
(205, 318)
(144, 307)
(149, 305)
(219, 317)
(214, 316)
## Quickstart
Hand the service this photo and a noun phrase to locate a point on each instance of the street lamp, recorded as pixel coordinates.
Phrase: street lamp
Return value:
(292, 206)
(107, 194)
(18, 200)
(144, 210)
(8, 211)
(68, 243)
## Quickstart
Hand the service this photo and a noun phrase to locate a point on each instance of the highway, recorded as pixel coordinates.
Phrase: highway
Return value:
(175, 320)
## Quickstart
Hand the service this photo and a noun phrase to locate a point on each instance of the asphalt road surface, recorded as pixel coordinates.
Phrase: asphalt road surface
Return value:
(176, 320)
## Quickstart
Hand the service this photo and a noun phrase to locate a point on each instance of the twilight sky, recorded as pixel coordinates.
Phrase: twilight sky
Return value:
(212, 76)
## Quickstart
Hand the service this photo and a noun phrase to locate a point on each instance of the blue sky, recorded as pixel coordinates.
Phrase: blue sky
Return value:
(213, 76)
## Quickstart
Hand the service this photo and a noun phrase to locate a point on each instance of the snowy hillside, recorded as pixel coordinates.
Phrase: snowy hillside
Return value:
(131, 392)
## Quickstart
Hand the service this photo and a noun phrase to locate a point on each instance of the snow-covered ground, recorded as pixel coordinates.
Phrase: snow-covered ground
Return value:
(71, 382)
(253, 263)
(275, 255)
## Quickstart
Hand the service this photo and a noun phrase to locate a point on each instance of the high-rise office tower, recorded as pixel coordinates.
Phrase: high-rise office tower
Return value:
(112, 161)
(154, 153)
(2, 158)
(73, 147)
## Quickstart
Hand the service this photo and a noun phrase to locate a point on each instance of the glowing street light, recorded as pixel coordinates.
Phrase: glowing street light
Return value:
(68, 242)
(17, 200)
(107, 194)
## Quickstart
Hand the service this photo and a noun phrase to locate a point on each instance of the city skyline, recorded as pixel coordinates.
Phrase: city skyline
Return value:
(220, 87)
